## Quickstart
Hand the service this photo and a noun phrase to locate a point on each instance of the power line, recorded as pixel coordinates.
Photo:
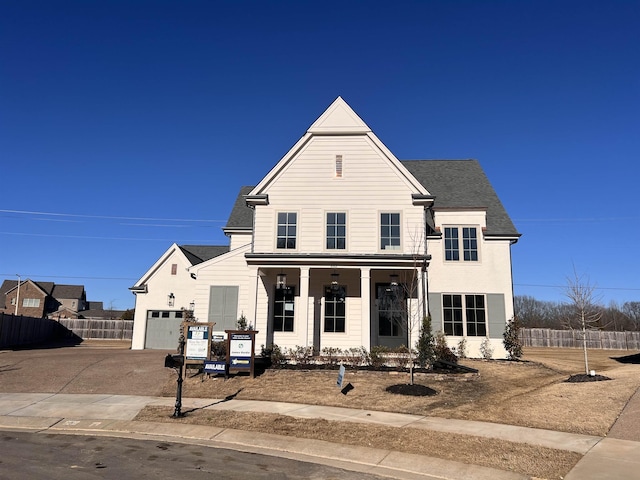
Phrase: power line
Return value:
(564, 286)
(107, 217)
(28, 275)
(88, 237)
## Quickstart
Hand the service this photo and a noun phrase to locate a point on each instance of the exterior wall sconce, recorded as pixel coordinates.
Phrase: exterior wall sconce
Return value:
(334, 281)
(281, 280)
(171, 300)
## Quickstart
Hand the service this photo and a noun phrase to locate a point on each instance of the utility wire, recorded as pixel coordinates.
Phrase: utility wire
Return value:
(106, 217)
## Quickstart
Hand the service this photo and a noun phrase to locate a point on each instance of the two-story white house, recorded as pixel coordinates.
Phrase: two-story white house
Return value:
(343, 245)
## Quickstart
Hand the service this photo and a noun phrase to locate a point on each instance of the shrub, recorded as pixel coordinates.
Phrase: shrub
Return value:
(331, 355)
(486, 350)
(442, 350)
(274, 354)
(426, 343)
(512, 343)
(242, 323)
(219, 349)
(355, 356)
(302, 355)
(376, 356)
(402, 356)
(462, 348)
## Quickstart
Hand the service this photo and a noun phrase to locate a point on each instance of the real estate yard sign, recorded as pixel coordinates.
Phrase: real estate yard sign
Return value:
(241, 350)
(198, 341)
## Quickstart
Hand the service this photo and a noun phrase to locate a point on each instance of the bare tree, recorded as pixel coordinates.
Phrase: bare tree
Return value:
(584, 310)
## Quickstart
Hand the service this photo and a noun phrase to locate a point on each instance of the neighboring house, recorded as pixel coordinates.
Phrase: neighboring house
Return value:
(42, 299)
(342, 245)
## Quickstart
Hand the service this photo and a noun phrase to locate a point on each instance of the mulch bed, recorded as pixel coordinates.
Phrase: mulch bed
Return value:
(414, 390)
(583, 377)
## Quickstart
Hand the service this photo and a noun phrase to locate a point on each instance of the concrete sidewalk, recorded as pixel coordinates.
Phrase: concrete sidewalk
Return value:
(113, 415)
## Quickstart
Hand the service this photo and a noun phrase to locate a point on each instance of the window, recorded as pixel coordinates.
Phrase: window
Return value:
(469, 321)
(476, 325)
(452, 314)
(174, 268)
(287, 230)
(338, 166)
(334, 309)
(13, 301)
(469, 244)
(336, 231)
(390, 231)
(283, 310)
(31, 302)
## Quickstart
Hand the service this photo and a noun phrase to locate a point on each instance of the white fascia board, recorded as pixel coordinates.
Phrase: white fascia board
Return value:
(280, 166)
(145, 278)
(408, 178)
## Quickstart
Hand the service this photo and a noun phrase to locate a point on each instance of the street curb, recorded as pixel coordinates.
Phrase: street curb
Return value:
(386, 463)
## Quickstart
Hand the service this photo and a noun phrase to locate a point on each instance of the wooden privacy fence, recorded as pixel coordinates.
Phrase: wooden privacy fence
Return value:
(99, 329)
(18, 330)
(545, 337)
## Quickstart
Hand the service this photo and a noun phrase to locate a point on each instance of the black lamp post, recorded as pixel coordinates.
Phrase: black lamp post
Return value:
(176, 362)
(178, 410)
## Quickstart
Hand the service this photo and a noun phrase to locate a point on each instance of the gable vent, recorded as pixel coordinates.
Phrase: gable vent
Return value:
(338, 166)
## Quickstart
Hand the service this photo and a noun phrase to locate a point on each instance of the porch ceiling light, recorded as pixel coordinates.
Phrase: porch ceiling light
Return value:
(281, 280)
(394, 279)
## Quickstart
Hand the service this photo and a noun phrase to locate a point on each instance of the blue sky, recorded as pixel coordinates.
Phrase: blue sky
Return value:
(126, 126)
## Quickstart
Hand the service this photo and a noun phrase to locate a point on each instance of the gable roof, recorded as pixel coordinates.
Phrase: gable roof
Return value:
(337, 120)
(463, 184)
(67, 291)
(241, 217)
(201, 253)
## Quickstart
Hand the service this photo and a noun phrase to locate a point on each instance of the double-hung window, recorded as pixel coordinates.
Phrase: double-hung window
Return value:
(287, 230)
(469, 248)
(464, 315)
(336, 231)
(389, 231)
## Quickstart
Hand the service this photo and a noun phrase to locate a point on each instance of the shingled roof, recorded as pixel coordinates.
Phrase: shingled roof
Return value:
(241, 216)
(201, 253)
(462, 184)
(454, 183)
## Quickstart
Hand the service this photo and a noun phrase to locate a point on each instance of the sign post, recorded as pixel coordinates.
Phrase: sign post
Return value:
(241, 351)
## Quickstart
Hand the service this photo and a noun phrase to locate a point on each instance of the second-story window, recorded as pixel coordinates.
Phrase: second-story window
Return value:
(286, 237)
(469, 244)
(336, 231)
(389, 231)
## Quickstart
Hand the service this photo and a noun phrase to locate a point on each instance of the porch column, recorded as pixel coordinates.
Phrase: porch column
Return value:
(304, 305)
(365, 298)
(252, 301)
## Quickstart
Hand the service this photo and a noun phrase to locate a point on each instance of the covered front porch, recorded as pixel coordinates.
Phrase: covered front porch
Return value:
(338, 302)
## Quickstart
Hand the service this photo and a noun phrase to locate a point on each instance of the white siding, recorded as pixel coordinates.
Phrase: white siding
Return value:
(159, 285)
(229, 269)
(370, 185)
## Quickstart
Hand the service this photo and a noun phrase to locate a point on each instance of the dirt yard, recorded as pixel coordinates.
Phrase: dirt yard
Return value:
(530, 393)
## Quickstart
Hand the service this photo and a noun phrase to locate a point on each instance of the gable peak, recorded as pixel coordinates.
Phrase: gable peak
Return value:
(339, 118)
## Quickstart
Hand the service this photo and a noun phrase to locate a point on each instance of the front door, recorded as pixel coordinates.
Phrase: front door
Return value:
(391, 313)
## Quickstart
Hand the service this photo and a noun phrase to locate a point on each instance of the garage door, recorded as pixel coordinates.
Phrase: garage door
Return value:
(163, 329)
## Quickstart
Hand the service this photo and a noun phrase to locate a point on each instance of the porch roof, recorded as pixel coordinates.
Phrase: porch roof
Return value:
(332, 260)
